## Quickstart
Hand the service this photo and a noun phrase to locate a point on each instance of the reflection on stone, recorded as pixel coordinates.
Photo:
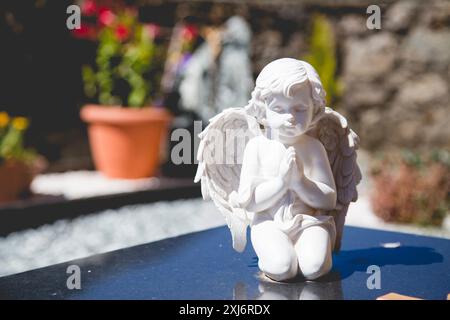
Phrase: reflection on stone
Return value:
(328, 287)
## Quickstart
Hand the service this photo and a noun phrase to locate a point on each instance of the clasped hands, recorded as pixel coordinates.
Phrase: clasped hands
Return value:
(291, 168)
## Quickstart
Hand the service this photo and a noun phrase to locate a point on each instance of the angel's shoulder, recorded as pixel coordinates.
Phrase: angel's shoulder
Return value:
(312, 149)
(256, 142)
(312, 143)
(251, 148)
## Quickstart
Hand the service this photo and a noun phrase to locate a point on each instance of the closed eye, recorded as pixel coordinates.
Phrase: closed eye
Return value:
(277, 109)
(300, 108)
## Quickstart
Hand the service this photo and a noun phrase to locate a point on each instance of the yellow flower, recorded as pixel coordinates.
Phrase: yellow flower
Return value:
(20, 123)
(4, 119)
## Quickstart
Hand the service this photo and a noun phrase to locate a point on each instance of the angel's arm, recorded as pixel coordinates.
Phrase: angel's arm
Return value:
(318, 189)
(258, 194)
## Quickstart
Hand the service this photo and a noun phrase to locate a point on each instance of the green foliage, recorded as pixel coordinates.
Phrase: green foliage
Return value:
(11, 139)
(420, 161)
(125, 54)
(322, 55)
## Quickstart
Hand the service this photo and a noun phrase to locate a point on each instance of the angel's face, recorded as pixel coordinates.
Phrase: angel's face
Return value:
(291, 116)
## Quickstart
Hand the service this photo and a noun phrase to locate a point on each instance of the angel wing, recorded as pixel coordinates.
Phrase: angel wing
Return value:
(341, 144)
(220, 152)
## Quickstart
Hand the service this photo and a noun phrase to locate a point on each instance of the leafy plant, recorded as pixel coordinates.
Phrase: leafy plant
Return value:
(322, 55)
(412, 188)
(126, 57)
(12, 131)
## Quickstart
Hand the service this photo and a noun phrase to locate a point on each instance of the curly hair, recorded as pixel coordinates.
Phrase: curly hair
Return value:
(278, 77)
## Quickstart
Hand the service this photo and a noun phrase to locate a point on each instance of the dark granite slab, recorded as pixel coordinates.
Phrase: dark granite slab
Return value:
(204, 266)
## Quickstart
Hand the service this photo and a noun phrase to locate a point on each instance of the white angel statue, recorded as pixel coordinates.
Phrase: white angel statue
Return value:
(296, 178)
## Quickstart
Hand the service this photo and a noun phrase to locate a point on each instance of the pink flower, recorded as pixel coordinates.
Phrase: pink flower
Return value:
(152, 30)
(89, 8)
(106, 17)
(122, 32)
(189, 32)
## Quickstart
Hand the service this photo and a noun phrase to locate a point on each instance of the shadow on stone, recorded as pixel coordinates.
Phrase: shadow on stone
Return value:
(350, 261)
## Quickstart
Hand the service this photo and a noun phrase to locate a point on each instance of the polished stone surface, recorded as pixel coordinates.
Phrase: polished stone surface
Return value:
(204, 266)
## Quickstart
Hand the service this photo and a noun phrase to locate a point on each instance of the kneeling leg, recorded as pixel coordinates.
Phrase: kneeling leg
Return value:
(313, 249)
(275, 251)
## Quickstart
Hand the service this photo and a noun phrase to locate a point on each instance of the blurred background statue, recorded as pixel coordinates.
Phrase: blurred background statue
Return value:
(218, 75)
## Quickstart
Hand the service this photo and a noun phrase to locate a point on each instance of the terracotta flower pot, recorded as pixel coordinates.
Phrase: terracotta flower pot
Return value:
(16, 177)
(125, 143)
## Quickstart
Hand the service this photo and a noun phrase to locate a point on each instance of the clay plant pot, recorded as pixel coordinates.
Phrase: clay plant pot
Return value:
(125, 143)
(16, 177)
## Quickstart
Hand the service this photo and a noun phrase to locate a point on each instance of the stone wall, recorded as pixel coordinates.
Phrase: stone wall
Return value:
(397, 79)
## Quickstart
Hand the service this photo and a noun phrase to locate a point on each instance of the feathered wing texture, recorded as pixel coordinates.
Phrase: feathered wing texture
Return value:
(341, 144)
(220, 154)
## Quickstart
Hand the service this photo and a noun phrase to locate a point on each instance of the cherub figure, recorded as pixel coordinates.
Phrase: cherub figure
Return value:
(297, 177)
